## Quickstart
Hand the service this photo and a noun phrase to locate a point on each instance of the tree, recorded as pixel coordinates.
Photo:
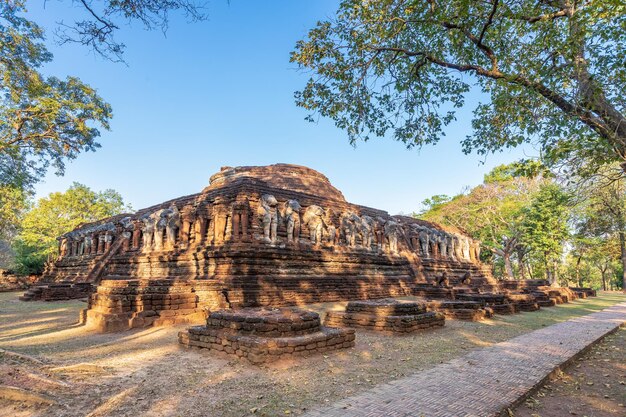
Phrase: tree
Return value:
(102, 20)
(553, 72)
(603, 207)
(47, 121)
(43, 121)
(544, 227)
(493, 211)
(433, 204)
(57, 214)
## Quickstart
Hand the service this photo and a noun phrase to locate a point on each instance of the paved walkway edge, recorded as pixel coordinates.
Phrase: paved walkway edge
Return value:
(485, 382)
(558, 369)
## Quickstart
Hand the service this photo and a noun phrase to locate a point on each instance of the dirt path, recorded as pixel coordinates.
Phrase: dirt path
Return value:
(145, 372)
(594, 386)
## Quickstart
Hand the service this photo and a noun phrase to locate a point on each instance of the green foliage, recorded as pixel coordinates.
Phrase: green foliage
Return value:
(43, 121)
(491, 212)
(601, 216)
(47, 121)
(553, 73)
(517, 213)
(433, 204)
(13, 204)
(544, 226)
(525, 168)
(57, 214)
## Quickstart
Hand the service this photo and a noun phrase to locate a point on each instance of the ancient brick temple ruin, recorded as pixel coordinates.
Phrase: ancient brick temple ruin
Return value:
(277, 235)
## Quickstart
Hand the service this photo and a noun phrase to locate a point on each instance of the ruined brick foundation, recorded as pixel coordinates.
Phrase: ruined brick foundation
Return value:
(266, 335)
(386, 315)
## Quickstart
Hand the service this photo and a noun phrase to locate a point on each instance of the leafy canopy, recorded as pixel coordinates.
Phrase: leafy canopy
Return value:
(57, 214)
(43, 121)
(554, 73)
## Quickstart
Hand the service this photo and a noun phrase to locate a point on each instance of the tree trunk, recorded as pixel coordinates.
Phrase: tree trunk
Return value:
(555, 272)
(579, 280)
(507, 265)
(622, 246)
(549, 275)
(603, 280)
(520, 262)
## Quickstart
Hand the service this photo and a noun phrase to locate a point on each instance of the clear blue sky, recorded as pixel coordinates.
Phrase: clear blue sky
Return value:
(220, 93)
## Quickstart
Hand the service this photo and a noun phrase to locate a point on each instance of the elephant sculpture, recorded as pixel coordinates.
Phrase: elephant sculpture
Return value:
(313, 218)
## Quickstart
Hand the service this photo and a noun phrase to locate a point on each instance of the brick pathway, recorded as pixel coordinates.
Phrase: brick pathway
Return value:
(485, 381)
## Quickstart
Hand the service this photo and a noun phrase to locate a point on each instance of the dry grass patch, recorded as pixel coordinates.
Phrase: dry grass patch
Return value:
(148, 374)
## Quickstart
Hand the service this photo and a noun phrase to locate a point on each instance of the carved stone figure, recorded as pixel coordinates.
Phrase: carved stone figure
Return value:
(127, 223)
(449, 246)
(62, 247)
(477, 250)
(108, 239)
(458, 249)
(466, 279)
(367, 231)
(173, 226)
(443, 247)
(147, 231)
(291, 215)
(349, 229)
(391, 233)
(466, 248)
(413, 237)
(81, 245)
(187, 216)
(126, 235)
(268, 216)
(160, 224)
(313, 218)
(331, 229)
(379, 232)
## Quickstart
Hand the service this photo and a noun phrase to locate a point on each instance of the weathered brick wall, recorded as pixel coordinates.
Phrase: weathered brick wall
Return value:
(259, 335)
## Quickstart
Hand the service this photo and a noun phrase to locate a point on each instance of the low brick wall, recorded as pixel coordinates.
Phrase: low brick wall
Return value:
(264, 335)
(583, 292)
(461, 310)
(386, 315)
(125, 304)
(58, 292)
(392, 324)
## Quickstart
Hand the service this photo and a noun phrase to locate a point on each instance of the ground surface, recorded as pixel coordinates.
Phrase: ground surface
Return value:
(145, 372)
(484, 382)
(594, 386)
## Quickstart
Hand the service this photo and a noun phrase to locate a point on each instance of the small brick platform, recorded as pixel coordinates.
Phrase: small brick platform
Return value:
(583, 292)
(386, 315)
(486, 381)
(266, 335)
(496, 303)
(461, 310)
(127, 304)
(524, 302)
(58, 291)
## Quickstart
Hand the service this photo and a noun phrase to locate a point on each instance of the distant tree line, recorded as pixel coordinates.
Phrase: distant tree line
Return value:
(535, 226)
(33, 234)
